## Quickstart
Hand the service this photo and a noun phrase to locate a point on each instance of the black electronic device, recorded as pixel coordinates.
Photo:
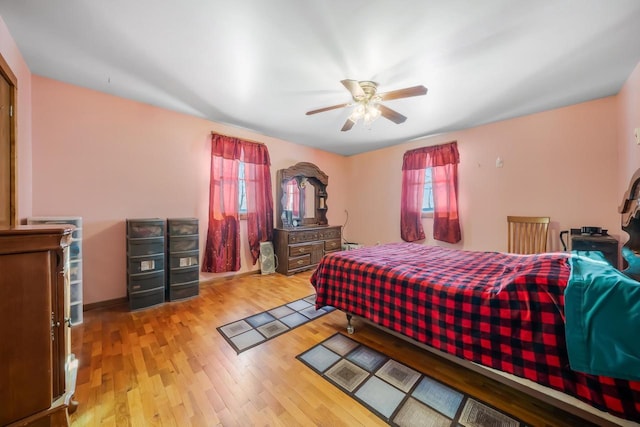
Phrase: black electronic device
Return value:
(582, 231)
(591, 239)
(587, 231)
(592, 231)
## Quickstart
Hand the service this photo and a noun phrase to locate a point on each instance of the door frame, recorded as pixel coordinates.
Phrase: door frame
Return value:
(6, 72)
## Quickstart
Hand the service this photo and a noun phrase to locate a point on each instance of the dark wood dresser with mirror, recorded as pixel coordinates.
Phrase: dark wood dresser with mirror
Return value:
(37, 369)
(303, 235)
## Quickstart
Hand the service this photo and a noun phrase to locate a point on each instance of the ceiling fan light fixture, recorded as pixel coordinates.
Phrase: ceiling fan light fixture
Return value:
(368, 103)
(366, 110)
(372, 112)
(358, 112)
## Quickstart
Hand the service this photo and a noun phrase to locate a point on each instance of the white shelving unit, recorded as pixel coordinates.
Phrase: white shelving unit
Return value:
(74, 266)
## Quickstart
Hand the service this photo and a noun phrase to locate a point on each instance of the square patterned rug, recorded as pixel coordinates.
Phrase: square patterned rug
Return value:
(246, 333)
(398, 394)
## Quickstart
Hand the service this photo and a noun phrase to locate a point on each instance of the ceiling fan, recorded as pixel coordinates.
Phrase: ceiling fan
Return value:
(367, 102)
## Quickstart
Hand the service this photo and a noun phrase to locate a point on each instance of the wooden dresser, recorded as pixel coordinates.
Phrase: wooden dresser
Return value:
(37, 369)
(302, 248)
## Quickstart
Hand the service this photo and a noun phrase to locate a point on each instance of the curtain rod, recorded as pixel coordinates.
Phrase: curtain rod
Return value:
(244, 139)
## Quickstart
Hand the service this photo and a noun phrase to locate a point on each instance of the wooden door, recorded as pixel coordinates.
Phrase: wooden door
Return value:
(317, 252)
(8, 94)
(5, 150)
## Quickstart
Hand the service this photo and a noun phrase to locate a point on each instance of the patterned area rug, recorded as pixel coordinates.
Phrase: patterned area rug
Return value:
(398, 394)
(246, 333)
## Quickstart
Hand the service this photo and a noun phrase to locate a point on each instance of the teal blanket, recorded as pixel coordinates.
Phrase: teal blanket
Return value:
(602, 311)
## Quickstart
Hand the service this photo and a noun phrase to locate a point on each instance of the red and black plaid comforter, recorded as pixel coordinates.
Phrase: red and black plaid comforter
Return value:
(500, 310)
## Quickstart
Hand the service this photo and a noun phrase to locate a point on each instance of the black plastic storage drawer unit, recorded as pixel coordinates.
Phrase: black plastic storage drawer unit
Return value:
(183, 263)
(146, 277)
(146, 281)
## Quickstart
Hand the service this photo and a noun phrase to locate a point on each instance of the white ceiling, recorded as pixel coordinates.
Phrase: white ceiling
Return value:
(262, 64)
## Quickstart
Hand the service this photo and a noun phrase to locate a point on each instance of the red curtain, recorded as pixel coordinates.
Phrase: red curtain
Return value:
(222, 250)
(257, 175)
(443, 161)
(411, 204)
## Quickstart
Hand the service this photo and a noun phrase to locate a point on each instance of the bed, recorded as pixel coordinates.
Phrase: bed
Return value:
(498, 310)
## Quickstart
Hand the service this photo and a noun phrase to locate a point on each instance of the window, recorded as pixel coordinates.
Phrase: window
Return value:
(229, 155)
(242, 192)
(430, 176)
(427, 195)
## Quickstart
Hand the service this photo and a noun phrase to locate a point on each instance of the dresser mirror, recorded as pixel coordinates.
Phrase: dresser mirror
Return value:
(302, 195)
(299, 198)
(308, 200)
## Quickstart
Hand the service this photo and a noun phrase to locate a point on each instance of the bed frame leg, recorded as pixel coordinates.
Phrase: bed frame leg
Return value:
(349, 325)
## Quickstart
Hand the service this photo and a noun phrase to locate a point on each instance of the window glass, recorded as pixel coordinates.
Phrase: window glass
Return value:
(242, 196)
(427, 196)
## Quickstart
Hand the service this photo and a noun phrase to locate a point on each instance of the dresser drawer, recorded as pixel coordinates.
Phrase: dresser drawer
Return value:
(146, 264)
(184, 259)
(299, 262)
(331, 233)
(303, 236)
(148, 298)
(75, 270)
(182, 226)
(145, 228)
(298, 250)
(149, 246)
(185, 290)
(146, 281)
(183, 275)
(183, 243)
(302, 248)
(332, 245)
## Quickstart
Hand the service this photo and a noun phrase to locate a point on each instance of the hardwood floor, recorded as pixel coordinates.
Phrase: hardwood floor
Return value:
(169, 366)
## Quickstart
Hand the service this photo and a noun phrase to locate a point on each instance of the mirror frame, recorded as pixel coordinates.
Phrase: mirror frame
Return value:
(318, 179)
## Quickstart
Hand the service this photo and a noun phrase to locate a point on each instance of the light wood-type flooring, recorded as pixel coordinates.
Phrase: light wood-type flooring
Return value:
(169, 366)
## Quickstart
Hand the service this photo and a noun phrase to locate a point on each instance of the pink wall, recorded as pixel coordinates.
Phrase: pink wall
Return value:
(629, 119)
(560, 163)
(107, 159)
(14, 58)
(125, 159)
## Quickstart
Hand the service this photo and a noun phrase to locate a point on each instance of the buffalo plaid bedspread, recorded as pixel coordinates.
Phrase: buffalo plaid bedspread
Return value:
(501, 310)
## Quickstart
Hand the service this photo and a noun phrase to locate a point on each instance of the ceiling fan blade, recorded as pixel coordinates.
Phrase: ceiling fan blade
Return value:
(390, 114)
(354, 87)
(403, 93)
(321, 110)
(347, 125)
